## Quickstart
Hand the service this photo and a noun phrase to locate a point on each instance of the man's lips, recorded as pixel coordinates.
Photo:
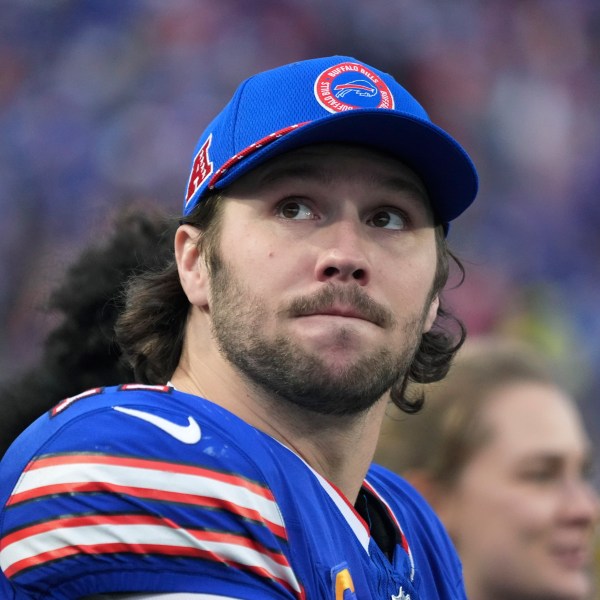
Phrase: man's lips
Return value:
(346, 312)
(346, 302)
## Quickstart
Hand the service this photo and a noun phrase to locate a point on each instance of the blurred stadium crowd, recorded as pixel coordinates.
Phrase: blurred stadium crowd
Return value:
(102, 102)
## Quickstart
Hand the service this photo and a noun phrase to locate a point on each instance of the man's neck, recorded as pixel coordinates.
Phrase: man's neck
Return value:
(339, 448)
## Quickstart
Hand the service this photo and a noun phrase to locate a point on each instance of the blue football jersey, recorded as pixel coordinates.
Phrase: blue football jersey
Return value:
(147, 489)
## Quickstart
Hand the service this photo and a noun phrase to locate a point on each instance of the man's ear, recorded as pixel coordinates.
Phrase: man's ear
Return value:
(432, 313)
(192, 269)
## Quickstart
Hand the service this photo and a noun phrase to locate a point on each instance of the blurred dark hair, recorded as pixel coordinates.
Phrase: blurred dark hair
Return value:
(81, 351)
(151, 328)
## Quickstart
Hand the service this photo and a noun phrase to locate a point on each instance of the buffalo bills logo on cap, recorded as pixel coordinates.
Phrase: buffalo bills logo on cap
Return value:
(348, 85)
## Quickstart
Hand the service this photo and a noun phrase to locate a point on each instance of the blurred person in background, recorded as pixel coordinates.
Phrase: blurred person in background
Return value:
(501, 453)
(80, 352)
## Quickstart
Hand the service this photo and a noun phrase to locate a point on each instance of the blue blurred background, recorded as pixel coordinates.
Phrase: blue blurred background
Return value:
(102, 102)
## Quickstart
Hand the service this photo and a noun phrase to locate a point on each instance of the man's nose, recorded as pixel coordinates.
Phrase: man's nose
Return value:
(343, 257)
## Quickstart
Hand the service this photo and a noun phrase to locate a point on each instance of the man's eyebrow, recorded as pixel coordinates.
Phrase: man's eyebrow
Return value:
(402, 185)
(323, 175)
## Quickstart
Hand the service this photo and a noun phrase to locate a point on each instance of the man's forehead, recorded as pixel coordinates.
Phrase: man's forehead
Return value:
(322, 163)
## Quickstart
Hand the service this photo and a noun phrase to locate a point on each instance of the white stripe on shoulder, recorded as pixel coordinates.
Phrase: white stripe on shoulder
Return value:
(155, 538)
(144, 476)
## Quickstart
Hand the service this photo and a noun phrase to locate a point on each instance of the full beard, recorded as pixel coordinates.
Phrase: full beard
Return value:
(284, 370)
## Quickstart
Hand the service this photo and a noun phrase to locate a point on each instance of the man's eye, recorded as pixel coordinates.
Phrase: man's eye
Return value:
(387, 219)
(293, 209)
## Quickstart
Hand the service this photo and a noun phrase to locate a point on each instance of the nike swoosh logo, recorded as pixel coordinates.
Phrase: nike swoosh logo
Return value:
(187, 434)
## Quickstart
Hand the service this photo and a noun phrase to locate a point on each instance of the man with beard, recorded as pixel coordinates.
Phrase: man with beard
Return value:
(305, 293)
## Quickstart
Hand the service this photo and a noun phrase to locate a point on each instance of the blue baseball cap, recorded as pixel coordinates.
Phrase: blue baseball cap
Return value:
(335, 99)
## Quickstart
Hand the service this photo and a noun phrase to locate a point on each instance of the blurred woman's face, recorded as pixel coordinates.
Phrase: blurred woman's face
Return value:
(523, 512)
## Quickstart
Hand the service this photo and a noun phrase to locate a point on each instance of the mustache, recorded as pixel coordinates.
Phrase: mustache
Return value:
(352, 296)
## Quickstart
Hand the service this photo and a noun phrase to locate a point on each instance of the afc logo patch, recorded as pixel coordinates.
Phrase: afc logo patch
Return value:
(343, 586)
(202, 169)
(347, 86)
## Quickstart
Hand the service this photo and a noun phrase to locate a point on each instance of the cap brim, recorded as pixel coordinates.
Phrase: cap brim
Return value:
(444, 167)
